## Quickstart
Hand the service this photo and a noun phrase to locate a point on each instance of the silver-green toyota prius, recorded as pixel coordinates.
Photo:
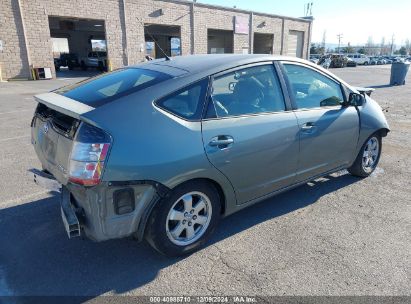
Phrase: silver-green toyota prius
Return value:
(164, 149)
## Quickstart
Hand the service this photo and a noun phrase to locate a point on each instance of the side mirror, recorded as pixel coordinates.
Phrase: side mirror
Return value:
(356, 100)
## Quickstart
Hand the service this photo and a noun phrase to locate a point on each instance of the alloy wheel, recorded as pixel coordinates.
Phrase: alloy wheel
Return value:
(188, 218)
(370, 154)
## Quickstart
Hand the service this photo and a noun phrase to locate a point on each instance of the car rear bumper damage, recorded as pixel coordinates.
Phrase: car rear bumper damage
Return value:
(109, 210)
(68, 215)
(45, 180)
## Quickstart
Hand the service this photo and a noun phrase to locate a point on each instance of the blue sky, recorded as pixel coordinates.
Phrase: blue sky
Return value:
(357, 20)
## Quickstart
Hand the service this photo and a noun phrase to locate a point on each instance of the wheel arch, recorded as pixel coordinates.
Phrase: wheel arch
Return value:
(141, 230)
(383, 132)
(219, 189)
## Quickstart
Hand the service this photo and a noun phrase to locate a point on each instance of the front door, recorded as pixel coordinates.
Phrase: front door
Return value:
(250, 135)
(328, 131)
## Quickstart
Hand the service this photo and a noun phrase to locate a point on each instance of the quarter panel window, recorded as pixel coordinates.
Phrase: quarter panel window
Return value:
(251, 90)
(186, 103)
(311, 89)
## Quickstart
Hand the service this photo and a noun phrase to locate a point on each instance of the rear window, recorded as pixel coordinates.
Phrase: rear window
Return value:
(103, 89)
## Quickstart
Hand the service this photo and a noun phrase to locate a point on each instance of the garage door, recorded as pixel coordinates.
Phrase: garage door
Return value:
(295, 44)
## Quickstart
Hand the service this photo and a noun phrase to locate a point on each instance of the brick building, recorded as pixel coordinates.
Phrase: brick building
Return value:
(127, 27)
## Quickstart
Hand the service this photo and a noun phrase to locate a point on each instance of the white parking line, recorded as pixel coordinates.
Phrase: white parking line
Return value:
(17, 111)
(13, 138)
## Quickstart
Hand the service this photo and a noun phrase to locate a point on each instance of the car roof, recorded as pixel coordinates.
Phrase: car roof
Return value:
(190, 68)
(208, 64)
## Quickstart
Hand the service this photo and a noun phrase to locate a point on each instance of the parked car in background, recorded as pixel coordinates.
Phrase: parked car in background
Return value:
(336, 60)
(398, 59)
(315, 58)
(164, 149)
(359, 58)
(351, 63)
(69, 60)
(383, 60)
(375, 61)
(96, 60)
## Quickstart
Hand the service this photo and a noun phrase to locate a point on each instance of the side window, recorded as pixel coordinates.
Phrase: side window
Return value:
(311, 89)
(247, 91)
(186, 103)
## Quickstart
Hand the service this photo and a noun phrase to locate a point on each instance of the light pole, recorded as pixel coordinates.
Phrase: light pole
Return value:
(339, 36)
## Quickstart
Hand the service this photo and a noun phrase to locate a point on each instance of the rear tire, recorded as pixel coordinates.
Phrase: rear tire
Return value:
(368, 157)
(182, 222)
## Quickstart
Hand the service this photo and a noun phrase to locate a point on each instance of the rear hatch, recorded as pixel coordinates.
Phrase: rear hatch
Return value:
(54, 126)
(59, 114)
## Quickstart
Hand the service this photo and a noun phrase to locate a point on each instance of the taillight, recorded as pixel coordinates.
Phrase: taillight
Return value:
(88, 155)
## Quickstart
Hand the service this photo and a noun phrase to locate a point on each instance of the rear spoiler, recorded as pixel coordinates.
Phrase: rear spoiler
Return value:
(65, 105)
(364, 91)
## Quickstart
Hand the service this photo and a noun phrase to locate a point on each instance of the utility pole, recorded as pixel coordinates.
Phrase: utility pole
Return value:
(339, 36)
(392, 44)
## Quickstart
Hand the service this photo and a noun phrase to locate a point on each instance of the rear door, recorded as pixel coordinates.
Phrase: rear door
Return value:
(250, 134)
(328, 131)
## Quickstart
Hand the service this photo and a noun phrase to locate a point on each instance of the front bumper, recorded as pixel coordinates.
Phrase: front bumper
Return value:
(94, 211)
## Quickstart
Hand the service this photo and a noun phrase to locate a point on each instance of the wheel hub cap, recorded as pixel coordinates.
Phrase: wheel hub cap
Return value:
(188, 218)
(370, 155)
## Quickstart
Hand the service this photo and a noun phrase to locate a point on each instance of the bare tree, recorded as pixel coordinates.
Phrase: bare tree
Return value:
(370, 46)
(408, 46)
(392, 43)
(324, 38)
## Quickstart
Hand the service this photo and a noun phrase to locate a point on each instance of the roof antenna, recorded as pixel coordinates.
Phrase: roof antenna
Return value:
(151, 36)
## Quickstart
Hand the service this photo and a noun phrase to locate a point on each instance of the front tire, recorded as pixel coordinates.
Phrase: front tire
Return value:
(368, 157)
(182, 222)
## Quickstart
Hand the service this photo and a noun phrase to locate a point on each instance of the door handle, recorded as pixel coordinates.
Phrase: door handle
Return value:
(221, 141)
(307, 126)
